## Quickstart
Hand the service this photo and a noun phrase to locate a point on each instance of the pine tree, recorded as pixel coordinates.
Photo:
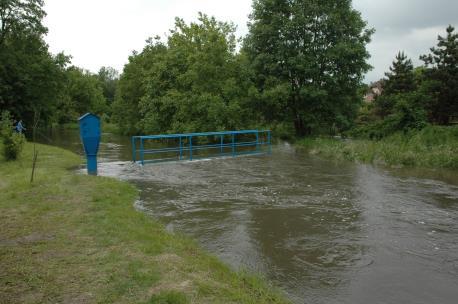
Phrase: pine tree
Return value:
(442, 70)
(401, 78)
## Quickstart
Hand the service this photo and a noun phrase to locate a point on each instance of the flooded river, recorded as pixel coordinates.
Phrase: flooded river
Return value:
(324, 232)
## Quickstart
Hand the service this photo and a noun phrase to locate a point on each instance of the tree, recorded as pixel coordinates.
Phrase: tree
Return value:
(400, 80)
(83, 93)
(309, 58)
(193, 82)
(132, 86)
(31, 79)
(18, 17)
(108, 78)
(442, 71)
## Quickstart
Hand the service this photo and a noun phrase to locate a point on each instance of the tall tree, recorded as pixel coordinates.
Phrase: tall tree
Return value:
(399, 80)
(31, 79)
(132, 86)
(18, 17)
(193, 82)
(82, 93)
(108, 78)
(310, 58)
(442, 70)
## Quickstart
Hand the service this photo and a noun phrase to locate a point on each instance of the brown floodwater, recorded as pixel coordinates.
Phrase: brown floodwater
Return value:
(322, 231)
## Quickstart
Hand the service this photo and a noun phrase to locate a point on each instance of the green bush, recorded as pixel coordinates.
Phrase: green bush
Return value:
(13, 142)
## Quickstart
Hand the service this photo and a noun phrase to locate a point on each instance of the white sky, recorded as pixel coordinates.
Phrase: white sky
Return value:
(100, 33)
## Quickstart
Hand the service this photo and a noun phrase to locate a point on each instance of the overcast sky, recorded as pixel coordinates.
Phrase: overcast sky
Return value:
(100, 33)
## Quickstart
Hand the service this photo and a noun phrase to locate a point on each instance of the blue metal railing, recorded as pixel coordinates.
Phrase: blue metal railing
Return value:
(187, 146)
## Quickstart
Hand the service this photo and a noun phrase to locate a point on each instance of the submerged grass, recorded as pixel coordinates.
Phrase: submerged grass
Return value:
(432, 147)
(70, 238)
(106, 127)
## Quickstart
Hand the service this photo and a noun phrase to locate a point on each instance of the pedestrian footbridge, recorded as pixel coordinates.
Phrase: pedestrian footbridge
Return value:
(191, 146)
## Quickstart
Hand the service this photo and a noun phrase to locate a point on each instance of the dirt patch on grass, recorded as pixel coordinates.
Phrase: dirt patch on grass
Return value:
(181, 286)
(168, 258)
(30, 239)
(3, 185)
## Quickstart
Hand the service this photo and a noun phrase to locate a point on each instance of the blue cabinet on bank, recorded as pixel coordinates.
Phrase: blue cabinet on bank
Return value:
(90, 136)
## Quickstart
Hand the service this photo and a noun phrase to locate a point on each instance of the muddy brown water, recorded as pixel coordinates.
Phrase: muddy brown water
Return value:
(324, 232)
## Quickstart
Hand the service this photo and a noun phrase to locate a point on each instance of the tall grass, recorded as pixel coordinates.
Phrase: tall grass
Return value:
(432, 147)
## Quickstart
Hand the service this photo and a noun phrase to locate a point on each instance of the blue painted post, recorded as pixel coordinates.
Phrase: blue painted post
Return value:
(257, 141)
(142, 157)
(233, 145)
(134, 150)
(181, 150)
(90, 135)
(190, 147)
(222, 143)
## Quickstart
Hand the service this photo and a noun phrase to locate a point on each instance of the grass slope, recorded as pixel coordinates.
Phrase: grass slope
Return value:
(432, 147)
(72, 238)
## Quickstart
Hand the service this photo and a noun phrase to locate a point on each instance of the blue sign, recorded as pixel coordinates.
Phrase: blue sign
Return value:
(90, 136)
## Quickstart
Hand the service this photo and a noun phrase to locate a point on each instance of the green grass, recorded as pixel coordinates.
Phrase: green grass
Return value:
(432, 147)
(70, 238)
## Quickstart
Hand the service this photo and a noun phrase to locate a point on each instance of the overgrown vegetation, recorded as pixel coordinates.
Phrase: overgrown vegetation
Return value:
(413, 98)
(77, 238)
(12, 141)
(431, 147)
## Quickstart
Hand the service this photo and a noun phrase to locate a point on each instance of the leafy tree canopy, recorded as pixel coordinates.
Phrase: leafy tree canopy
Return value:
(309, 57)
(194, 82)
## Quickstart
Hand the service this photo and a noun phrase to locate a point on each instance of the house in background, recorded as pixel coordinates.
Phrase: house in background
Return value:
(375, 89)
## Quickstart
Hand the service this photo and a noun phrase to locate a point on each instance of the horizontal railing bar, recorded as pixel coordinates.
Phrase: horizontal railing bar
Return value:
(201, 147)
(201, 134)
(200, 157)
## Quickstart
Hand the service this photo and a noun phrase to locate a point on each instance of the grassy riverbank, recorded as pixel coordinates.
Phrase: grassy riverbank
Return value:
(70, 238)
(432, 147)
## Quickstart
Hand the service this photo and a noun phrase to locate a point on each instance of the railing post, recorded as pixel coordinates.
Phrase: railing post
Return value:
(190, 147)
(233, 144)
(142, 156)
(257, 141)
(222, 143)
(181, 150)
(134, 150)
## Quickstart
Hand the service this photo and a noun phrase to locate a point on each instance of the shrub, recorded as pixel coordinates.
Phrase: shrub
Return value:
(12, 141)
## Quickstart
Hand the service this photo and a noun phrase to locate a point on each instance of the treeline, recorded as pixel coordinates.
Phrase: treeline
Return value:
(34, 84)
(299, 71)
(411, 98)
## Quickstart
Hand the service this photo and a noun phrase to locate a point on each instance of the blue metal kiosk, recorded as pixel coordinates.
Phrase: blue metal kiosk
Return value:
(90, 136)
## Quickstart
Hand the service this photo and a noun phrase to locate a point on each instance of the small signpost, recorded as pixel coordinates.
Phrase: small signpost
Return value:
(90, 136)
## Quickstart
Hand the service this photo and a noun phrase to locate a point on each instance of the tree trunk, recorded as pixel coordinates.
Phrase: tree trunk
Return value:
(300, 128)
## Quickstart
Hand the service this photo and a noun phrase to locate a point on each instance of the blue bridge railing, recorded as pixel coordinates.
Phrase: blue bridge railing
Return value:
(189, 146)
